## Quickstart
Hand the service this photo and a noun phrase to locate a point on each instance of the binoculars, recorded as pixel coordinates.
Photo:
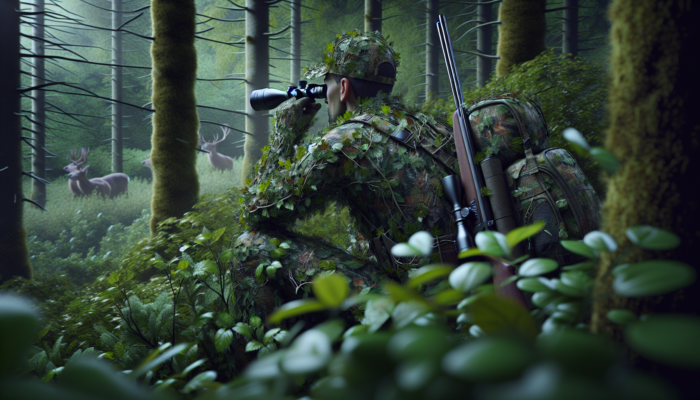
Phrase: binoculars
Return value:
(269, 99)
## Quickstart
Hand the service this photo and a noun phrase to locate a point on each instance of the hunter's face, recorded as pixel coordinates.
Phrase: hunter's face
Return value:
(336, 108)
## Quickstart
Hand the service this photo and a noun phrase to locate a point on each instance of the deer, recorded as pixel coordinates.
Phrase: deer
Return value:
(146, 163)
(108, 186)
(75, 166)
(218, 161)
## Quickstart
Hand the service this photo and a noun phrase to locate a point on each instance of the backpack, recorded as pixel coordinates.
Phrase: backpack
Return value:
(546, 184)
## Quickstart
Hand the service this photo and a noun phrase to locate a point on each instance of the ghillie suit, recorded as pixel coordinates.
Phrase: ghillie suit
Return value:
(383, 160)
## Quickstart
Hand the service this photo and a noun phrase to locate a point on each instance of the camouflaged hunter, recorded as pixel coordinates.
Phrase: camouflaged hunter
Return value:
(384, 160)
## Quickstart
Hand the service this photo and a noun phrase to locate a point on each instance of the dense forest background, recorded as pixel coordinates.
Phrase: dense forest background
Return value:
(159, 303)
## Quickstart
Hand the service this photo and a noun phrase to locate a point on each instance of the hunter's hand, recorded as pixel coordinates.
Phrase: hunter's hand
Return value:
(294, 116)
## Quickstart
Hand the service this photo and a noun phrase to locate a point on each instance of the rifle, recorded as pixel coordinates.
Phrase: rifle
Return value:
(472, 179)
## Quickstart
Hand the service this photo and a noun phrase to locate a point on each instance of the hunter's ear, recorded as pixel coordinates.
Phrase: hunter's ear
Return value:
(346, 92)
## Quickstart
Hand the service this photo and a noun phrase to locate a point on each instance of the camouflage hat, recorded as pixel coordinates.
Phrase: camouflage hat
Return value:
(356, 55)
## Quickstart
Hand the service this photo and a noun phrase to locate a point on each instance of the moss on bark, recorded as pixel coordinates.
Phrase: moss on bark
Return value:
(175, 123)
(522, 33)
(655, 133)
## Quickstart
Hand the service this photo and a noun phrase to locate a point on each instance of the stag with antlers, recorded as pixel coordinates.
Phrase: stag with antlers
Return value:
(218, 161)
(73, 167)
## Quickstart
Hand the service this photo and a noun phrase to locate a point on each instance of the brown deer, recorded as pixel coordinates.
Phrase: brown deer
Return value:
(218, 161)
(110, 185)
(75, 166)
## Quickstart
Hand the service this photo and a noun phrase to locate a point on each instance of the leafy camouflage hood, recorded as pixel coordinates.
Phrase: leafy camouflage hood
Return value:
(356, 55)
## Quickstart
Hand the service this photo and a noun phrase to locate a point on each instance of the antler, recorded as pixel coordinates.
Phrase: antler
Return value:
(73, 157)
(226, 130)
(83, 155)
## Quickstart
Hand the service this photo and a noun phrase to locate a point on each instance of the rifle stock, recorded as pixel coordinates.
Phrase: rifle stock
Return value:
(471, 177)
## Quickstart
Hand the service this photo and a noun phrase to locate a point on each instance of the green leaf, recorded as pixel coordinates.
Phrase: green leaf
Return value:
(448, 297)
(488, 359)
(655, 277)
(278, 253)
(583, 266)
(182, 264)
(668, 338)
(199, 381)
(244, 329)
(577, 279)
(578, 247)
(493, 243)
(495, 314)
(600, 241)
(275, 242)
(355, 330)
(537, 266)
(517, 235)
(541, 299)
(151, 362)
(377, 312)
(648, 237)
(294, 308)
(259, 273)
(226, 256)
(269, 335)
(331, 289)
(532, 285)
(310, 352)
(470, 275)
(217, 234)
(205, 268)
(206, 234)
(253, 345)
(189, 369)
(255, 321)
(427, 274)
(575, 137)
(470, 253)
(404, 250)
(622, 316)
(19, 324)
(605, 159)
(222, 339)
(568, 290)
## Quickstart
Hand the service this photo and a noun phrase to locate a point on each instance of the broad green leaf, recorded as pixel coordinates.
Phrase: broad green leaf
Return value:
(278, 253)
(294, 308)
(650, 278)
(182, 264)
(517, 235)
(470, 275)
(226, 256)
(476, 331)
(166, 384)
(150, 363)
(259, 273)
(448, 297)
(222, 339)
(648, 237)
(605, 159)
(668, 338)
(580, 248)
(206, 267)
(577, 351)
(43, 332)
(577, 279)
(404, 250)
(310, 352)
(423, 241)
(269, 335)
(113, 278)
(600, 241)
(244, 329)
(462, 306)
(331, 290)
(568, 290)
(255, 321)
(470, 253)
(427, 274)
(199, 381)
(355, 330)
(541, 299)
(206, 234)
(622, 316)
(217, 234)
(575, 137)
(488, 359)
(275, 242)
(495, 314)
(377, 312)
(189, 369)
(493, 243)
(253, 345)
(583, 266)
(532, 285)
(537, 266)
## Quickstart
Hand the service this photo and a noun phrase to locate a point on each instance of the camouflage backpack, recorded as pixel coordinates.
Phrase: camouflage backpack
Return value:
(546, 185)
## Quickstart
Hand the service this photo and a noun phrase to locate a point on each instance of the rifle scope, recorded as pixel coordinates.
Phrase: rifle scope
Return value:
(269, 99)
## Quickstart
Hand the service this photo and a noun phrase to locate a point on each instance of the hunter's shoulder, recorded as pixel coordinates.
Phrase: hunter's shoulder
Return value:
(348, 130)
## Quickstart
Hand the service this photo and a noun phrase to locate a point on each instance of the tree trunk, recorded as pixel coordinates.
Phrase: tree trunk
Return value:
(13, 237)
(257, 75)
(117, 84)
(521, 35)
(569, 44)
(295, 49)
(655, 133)
(373, 16)
(484, 36)
(38, 108)
(432, 50)
(175, 123)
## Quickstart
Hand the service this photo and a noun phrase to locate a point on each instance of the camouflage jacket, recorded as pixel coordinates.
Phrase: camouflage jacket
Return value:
(391, 187)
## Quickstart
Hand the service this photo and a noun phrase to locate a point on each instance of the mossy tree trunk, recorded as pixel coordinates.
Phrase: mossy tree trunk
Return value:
(14, 256)
(432, 49)
(295, 48)
(522, 33)
(38, 107)
(484, 45)
(655, 132)
(175, 123)
(117, 84)
(373, 15)
(257, 75)
(569, 42)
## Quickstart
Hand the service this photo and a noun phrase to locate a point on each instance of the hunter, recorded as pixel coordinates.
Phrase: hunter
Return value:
(378, 156)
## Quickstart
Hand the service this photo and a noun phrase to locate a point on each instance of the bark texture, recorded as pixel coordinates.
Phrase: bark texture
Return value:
(117, 85)
(373, 15)
(521, 35)
(257, 75)
(569, 44)
(13, 237)
(484, 45)
(295, 48)
(432, 49)
(175, 123)
(654, 131)
(38, 108)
